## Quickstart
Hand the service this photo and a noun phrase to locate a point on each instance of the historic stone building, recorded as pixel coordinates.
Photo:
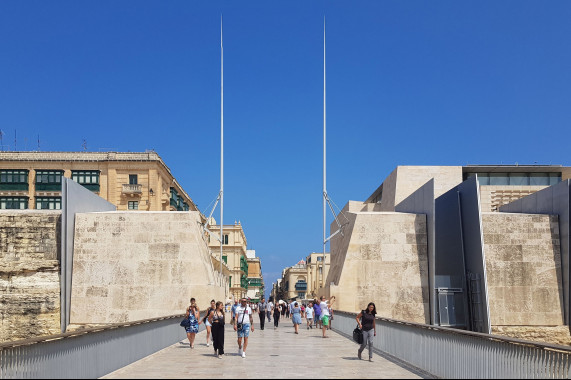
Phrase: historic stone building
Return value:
(255, 278)
(130, 181)
(316, 272)
(234, 255)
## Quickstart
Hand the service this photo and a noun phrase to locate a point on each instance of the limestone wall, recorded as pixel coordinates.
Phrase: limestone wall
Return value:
(405, 180)
(29, 274)
(382, 258)
(136, 265)
(523, 265)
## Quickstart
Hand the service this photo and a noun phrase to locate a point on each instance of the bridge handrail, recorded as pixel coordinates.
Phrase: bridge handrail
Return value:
(91, 352)
(452, 353)
(82, 331)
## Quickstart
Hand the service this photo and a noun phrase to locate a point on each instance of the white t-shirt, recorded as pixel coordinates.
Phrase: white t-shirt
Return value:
(240, 311)
(324, 308)
(309, 312)
(269, 306)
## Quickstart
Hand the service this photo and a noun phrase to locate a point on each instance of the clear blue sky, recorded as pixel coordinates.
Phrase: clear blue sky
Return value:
(408, 83)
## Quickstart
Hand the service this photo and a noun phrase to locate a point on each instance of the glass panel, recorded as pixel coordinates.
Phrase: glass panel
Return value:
(539, 179)
(499, 179)
(554, 178)
(519, 179)
(483, 179)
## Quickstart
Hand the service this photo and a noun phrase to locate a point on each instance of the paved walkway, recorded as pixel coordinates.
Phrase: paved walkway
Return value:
(275, 353)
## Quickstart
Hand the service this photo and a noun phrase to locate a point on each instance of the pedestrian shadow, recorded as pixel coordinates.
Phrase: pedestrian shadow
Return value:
(350, 358)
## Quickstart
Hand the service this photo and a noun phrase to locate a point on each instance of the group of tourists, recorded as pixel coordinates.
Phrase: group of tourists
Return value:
(318, 313)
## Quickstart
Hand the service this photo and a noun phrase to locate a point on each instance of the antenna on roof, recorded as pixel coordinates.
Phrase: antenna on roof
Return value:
(1, 139)
(38, 142)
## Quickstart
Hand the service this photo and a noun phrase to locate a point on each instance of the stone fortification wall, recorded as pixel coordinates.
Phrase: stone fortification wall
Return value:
(523, 266)
(382, 257)
(29, 274)
(136, 265)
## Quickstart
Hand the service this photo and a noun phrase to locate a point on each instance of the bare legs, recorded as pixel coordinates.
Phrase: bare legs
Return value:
(191, 337)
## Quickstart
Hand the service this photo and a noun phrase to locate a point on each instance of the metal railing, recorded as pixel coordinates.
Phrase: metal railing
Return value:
(451, 353)
(89, 353)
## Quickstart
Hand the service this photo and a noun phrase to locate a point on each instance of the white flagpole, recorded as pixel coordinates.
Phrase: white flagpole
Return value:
(221, 147)
(324, 164)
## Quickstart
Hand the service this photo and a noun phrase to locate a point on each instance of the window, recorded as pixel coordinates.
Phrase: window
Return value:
(13, 203)
(49, 180)
(301, 295)
(87, 178)
(230, 281)
(133, 179)
(14, 180)
(225, 239)
(133, 205)
(48, 203)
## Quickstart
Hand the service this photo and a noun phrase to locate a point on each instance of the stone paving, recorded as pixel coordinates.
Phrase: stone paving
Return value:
(271, 354)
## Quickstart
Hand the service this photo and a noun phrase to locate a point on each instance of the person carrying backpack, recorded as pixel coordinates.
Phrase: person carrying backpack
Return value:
(366, 321)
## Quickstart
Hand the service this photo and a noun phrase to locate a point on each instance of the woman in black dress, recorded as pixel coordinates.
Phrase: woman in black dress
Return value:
(216, 319)
(276, 315)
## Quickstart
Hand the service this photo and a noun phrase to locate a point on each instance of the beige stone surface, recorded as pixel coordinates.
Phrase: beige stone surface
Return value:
(381, 257)
(523, 266)
(405, 180)
(29, 274)
(137, 265)
(271, 354)
(546, 334)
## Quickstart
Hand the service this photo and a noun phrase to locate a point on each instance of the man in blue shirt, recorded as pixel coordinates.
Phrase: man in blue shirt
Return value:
(233, 312)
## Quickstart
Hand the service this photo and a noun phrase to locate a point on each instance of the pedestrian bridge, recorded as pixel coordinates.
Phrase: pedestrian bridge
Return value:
(158, 348)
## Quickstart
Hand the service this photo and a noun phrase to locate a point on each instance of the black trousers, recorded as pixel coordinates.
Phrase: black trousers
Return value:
(262, 319)
(218, 337)
(276, 319)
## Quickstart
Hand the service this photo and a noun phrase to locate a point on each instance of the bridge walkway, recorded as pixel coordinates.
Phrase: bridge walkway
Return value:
(271, 353)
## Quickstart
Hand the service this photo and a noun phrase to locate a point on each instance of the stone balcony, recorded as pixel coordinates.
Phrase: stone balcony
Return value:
(132, 189)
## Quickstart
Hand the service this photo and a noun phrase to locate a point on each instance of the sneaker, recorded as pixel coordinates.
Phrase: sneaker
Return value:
(240, 352)
(371, 360)
(219, 356)
(243, 354)
(207, 344)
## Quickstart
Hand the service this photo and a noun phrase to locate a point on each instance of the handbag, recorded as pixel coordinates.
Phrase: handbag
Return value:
(358, 335)
(185, 322)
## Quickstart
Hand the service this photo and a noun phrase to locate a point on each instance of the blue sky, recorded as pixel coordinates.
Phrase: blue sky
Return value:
(408, 83)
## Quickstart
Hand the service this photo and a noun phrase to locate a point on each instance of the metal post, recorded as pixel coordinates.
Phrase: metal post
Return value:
(221, 149)
(324, 164)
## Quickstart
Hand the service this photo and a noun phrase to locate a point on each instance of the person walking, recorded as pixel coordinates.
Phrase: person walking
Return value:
(262, 305)
(309, 315)
(317, 312)
(324, 305)
(244, 323)
(366, 321)
(269, 309)
(296, 317)
(233, 312)
(283, 307)
(207, 322)
(193, 314)
(216, 319)
(277, 312)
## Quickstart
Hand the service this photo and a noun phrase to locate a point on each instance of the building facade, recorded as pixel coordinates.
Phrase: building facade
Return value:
(130, 181)
(234, 246)
(316, 272)
(255, 278)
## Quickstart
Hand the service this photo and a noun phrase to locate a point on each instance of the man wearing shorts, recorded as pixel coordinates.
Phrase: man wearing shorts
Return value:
(244, 320)
(324, 306)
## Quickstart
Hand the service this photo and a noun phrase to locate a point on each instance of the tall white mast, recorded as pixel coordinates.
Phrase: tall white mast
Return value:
(221, 146)
(324, 166)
